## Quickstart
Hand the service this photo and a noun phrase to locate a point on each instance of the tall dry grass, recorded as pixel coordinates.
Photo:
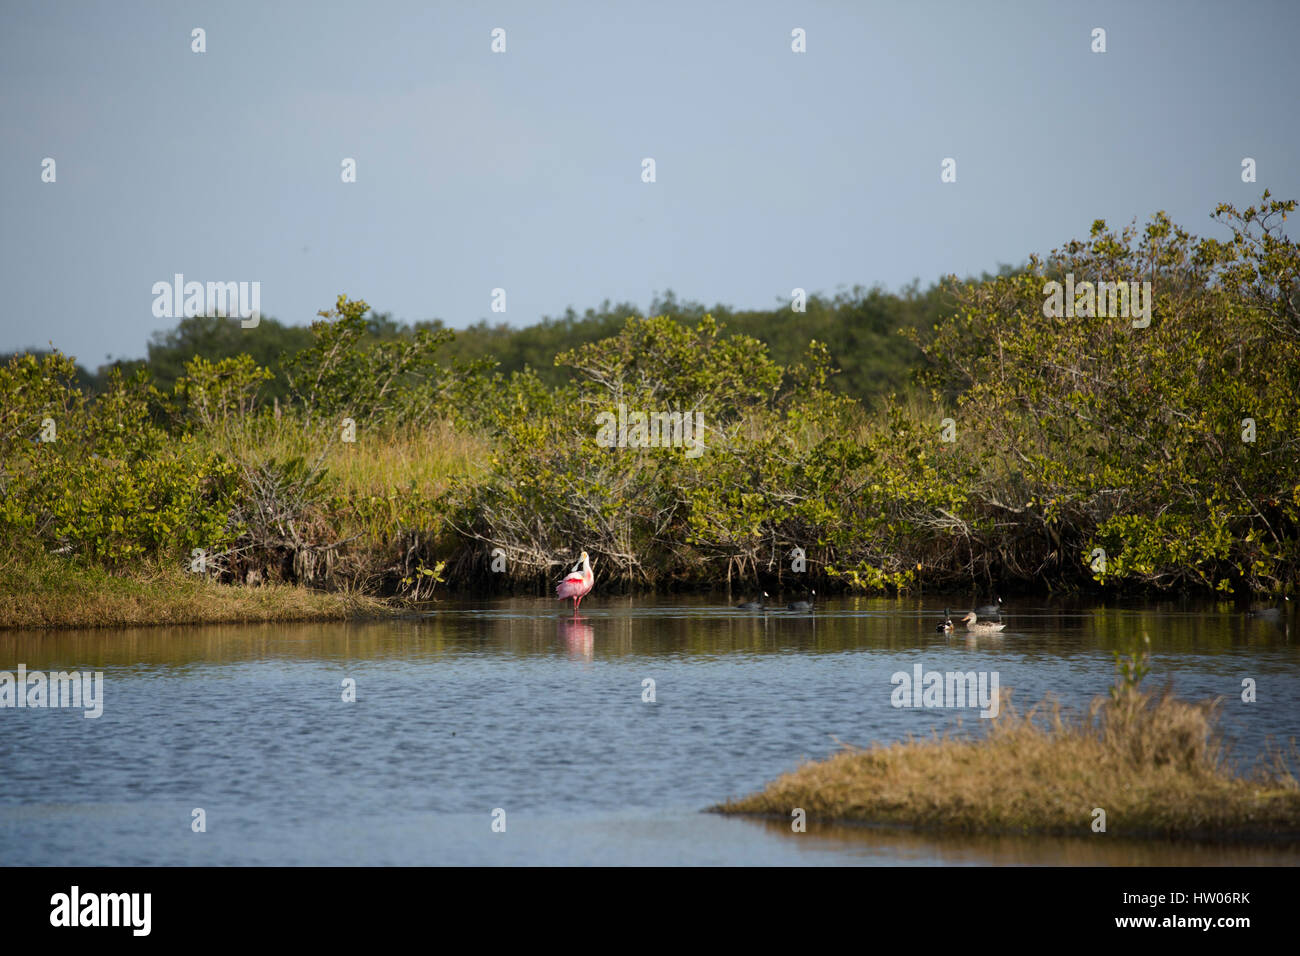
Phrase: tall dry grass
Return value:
(355, 512)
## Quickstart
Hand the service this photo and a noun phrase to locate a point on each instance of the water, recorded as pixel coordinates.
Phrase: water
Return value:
(512, 705)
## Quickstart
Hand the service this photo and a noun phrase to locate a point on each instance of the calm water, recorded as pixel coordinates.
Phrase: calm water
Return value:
(511, 704)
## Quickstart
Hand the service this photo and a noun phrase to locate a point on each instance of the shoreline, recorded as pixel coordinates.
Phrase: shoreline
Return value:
(77, 599)
(1283, 841)
(70, 597)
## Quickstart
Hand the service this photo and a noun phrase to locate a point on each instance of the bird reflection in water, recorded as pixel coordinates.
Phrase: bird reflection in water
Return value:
(578, 637)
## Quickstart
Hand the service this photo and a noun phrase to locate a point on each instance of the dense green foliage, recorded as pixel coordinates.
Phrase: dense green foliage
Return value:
(859, 328)
(1174, 448)
(1027, 450)
(103, 480)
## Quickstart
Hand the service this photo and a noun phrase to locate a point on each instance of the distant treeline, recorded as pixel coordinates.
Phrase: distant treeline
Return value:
(859, 328)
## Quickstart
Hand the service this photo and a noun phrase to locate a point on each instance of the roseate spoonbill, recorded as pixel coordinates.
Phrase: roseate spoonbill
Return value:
(803, 605)
(945, 626)
(973, 623)
(577, 584)
(753, 605)
(991, 610)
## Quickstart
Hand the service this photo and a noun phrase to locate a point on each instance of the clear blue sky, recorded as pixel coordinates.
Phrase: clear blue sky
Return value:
(522, 170)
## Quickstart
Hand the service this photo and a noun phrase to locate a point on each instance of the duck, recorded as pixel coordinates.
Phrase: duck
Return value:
(973, 623)
(753, 605)
(1271, 613)
(945, 626)
(803, 605)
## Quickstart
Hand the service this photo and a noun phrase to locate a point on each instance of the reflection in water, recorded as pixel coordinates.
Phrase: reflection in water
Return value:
(962, 849)
(478, 704)
(579, 637)
(683, 625)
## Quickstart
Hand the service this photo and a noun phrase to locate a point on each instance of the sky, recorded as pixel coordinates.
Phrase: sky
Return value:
(523, 170)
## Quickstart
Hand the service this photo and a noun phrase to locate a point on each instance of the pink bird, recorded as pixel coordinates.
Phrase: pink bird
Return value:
(577, 584)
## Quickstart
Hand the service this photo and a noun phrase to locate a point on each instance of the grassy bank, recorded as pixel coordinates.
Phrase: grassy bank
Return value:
(54, 593)
(1153, 763)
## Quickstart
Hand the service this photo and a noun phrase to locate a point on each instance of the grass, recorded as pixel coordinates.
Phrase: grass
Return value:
(45, 591)
(385, 481)
(423, 456)
(1155, 764)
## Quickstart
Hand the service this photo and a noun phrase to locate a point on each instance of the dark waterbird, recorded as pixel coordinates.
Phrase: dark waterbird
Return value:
(1271, 613)
(753, 605)
(991, 610)
(803, 605)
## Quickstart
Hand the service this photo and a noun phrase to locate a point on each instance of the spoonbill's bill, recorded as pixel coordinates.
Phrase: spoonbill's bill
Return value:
(577, 584)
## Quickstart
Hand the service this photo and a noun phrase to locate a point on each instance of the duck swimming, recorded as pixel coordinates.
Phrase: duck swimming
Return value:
(1271, 613)
(973, 623)
(945, 626)
(803, 605)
